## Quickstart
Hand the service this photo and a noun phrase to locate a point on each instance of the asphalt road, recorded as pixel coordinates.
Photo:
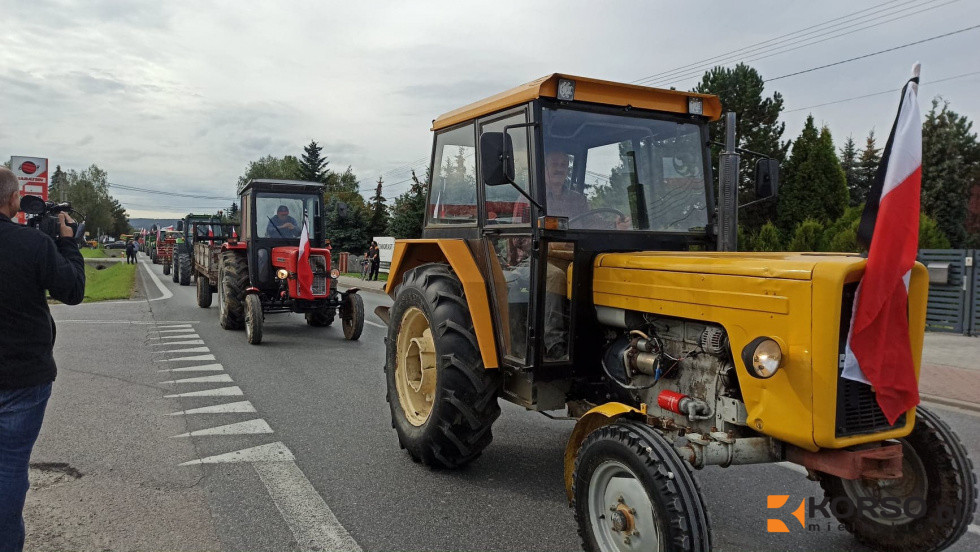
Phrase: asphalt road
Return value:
(307, 457)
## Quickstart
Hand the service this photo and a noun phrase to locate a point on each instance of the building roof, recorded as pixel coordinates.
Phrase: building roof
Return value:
(586, 90)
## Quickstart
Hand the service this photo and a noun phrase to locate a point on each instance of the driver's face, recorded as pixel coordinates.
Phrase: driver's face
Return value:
(283, 214)
(555, 170)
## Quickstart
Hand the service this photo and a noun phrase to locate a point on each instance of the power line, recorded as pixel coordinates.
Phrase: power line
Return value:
(875, 53)
(964, 75)
(128, 188)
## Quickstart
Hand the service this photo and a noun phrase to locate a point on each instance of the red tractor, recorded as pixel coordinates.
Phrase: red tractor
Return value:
(260, 271)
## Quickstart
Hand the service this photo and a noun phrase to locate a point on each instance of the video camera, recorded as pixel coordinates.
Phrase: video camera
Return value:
(43, 215)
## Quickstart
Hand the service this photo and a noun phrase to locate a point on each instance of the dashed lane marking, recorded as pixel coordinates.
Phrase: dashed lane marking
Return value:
(201, 368)
(273, 452)
(185, 336)
(172, 325)
(180, 359)
(188, 350)
(250, 427)
(233, 391)
(179, 343)
(228, 408)
(221, 378)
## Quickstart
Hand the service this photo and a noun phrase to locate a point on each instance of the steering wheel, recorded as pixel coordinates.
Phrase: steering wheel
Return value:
(684, 164)
(597, 211)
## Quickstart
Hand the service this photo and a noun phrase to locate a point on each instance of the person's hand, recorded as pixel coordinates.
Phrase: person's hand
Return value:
(66, 231)
(624, 223)
(288, 226)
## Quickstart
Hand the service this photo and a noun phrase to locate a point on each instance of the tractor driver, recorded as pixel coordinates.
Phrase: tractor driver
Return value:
(282, 225)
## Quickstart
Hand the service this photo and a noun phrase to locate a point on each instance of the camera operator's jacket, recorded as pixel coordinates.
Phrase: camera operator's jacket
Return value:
(30, 263)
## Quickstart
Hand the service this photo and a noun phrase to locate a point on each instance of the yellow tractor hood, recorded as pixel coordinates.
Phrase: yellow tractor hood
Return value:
(791, 266)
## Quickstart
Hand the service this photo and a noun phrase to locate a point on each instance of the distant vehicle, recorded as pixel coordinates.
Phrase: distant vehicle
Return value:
(119, 244)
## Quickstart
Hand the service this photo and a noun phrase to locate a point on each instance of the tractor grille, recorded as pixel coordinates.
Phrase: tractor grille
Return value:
(318, 263)
(857, 409)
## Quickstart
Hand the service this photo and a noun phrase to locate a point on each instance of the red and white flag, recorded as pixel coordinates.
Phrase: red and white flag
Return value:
(878, 350)
(211, 234)
(304, 274)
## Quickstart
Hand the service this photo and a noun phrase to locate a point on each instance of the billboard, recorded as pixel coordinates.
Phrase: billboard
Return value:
(32, 172)
(386, 250)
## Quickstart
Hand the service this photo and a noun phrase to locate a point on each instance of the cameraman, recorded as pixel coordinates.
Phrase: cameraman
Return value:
(30, 263)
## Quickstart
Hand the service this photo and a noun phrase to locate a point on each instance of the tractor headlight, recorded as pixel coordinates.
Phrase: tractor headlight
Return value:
(282, 274)
(762, 357)
(335, 274)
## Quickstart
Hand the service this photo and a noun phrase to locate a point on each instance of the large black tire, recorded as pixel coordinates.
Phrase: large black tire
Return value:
(204, 292)
(166, 268)
(231, 290)
(185, 269)
(352, 316)
(931, 451)
(253, 318)
(153, 256)
(321, 317)
(175, 273)
(463, 405)
(659, 504)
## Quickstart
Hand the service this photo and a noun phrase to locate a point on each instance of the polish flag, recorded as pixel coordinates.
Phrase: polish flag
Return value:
(304, 274)
(211, 234)
(878, 351)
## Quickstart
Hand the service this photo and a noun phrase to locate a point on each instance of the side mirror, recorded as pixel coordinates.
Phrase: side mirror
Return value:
(32, 205)
(496, 158)
(766, 178)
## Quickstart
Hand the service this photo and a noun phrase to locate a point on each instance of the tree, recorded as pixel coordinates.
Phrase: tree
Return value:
(950, 167)
(313, 166)
(379, 212)
(346, 216)
(408, 210)
(88, 192)
(757, 129)
(849, 164)
(286, 168)
(814, 186)
(807, 236)
(867, 168)
(233, 212)
(768, 239)
(59, 185)
(930, 234)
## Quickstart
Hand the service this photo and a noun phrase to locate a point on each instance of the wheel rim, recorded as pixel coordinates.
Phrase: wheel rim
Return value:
(913, 484)
(620, 511)
(415, 367)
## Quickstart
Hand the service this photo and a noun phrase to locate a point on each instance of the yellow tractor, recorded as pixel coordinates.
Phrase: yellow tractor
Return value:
(574, 256)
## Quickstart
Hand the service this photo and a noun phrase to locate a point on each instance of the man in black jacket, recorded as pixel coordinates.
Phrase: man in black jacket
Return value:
(30, 263)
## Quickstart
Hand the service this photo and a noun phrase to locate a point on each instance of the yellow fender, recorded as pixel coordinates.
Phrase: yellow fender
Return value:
(592, 420)
(409, 254)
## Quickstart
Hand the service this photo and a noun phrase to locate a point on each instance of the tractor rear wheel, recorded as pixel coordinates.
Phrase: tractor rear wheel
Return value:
(937, 494)
(352, 316)
(631, 491)
(321, 317)
(253, 318)
(231, 290)
(204, 292)
(185, 269)
(443, 401)
(166, 268)
(176, 268)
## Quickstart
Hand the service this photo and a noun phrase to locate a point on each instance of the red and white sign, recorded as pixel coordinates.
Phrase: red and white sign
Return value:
(32, 172)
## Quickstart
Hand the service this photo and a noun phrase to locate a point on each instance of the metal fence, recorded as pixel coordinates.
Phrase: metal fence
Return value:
(954, 290)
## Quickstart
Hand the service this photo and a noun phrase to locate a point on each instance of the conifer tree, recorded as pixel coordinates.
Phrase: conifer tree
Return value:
(867, 167)
(849, 164)
(813, 186)
(313, 165)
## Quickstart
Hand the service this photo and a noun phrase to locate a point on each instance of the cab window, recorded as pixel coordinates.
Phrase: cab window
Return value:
(452, 196)
(504, 204)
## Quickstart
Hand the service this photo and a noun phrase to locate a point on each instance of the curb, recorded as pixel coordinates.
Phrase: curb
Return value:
(965, 405)
(351, 282)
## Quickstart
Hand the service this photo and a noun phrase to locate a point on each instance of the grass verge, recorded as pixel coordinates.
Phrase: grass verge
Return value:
(88, 253)
(113, 282)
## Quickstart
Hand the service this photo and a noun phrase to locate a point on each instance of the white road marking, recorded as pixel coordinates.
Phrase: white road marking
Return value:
(792, 467)
(171, 327)
(250, 427)
(233, 391)
(198, 357)
(235, 407)
(179, 343)
(186, 336)
(375, 324)
(975, 529)
(313, 524)
(190, 350)
(273, 452)
(164, 292)
(201, 368)
(221, 378)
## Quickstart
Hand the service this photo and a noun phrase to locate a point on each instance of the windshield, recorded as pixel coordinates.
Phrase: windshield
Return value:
(281, 215)
(620, 172)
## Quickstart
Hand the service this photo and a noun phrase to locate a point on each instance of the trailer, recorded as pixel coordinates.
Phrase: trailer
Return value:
(207, 240)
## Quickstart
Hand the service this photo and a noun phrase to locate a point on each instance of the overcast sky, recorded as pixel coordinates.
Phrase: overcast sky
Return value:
(180, 96)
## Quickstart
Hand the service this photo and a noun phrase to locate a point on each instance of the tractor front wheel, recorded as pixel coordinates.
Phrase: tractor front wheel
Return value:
(253, 318)
(936, 496)
(631, 491)
(322, 317)
(185, 269)
(204, 292)
(443, 401)
(352, 316)
(231, 290)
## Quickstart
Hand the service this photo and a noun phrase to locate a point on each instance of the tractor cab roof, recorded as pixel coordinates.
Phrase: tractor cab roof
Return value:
(276, 185)
(583, 90)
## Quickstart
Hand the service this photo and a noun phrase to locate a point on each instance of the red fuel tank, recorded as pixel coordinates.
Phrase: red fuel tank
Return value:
(287, 257)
